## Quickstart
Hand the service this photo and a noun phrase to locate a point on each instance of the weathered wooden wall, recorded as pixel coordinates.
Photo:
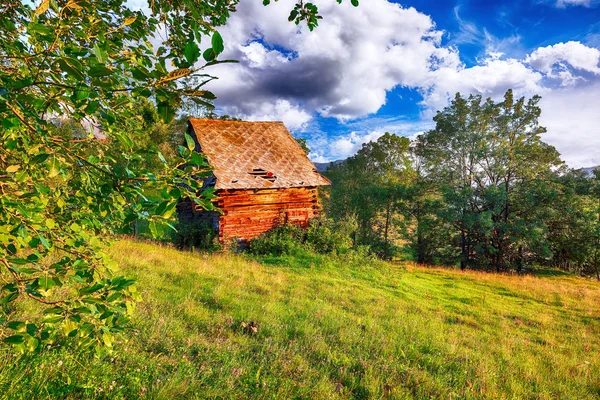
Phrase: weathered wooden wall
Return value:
(187, 214)
(247, 213)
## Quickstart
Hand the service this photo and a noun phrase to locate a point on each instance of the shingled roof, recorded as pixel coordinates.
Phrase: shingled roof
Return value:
(254, 155)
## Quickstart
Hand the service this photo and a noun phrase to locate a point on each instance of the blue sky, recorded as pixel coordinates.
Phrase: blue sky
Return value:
(387, 66)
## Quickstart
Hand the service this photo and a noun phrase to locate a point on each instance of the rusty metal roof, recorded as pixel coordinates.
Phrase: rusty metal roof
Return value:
(254, 155)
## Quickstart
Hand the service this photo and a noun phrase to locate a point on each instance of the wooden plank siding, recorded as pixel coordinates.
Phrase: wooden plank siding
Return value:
(187, 214)
(247, 213)
(260, 174)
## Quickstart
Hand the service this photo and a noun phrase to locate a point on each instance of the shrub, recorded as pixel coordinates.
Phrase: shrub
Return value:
(279, 241)
(323, 236)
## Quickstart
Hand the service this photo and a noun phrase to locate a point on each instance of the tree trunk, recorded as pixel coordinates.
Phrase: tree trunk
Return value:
(386, 229)
(463, 250)
(420, 243)
(520, 260)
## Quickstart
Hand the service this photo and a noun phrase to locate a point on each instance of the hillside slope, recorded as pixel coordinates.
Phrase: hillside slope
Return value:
(320, 328)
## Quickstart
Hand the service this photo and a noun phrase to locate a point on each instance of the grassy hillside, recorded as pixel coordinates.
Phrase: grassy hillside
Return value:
(331, 329)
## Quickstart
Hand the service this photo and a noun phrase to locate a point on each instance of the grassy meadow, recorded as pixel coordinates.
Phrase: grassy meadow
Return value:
(229, 326)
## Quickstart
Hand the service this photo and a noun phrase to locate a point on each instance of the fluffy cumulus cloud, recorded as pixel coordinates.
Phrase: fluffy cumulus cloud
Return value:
(294, 117)
(565, 61)
(350, 144)
(346, 68)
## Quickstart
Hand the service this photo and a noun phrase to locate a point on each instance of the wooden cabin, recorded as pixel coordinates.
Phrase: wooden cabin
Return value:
(261, 176)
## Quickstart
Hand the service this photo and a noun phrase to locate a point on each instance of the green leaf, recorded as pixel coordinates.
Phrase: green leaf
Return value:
(161, 208)
(40, 158)
(101, 55)
(140, 72)
(53, 310)
(217, 43)
(53, 168)
(100, 71)
(91, 107)
(44, 242)
(16, 325)
(31, 329)
(108, 339)
(198, 160)
(189, 141)
(175, 193)
(124, 139)
(153, 231)
(191, 52)
(39, 28)
(82, 92)
(209, 55)
(10, 297)
(32, 344)
(14, 339)
(50, 223)
(45, 282)
(354, 3)
(72, 67)
(166, 111)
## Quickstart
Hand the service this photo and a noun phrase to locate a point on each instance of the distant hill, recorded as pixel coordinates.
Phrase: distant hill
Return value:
(588, 171)
(322, 166)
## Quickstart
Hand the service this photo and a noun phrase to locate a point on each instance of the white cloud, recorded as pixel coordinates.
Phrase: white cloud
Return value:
(492, 79)
(344, 69)
(562, 55)
(350, 144)
(324, 149)
(293, 117)
(566, 3)
(348, 65)
(573, 121)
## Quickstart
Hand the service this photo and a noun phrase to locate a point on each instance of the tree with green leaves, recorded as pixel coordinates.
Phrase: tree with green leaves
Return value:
(596, 225)
(61, 197)
(370, 186)
(429, 235)
(495, 175)
(571, 222)
(302, 143)
(451, 154)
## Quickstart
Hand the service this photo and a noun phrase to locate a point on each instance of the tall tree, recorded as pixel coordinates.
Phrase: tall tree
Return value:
(370, 185)
(88, 62)
(452, 153)
(494, 172)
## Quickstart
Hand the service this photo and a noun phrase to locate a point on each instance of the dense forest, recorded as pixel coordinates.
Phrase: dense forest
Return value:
(480, 190)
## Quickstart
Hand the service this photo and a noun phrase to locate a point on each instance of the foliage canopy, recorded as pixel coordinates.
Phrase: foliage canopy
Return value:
(94, 65)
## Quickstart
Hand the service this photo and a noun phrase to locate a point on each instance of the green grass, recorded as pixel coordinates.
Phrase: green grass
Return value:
(331, 329)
